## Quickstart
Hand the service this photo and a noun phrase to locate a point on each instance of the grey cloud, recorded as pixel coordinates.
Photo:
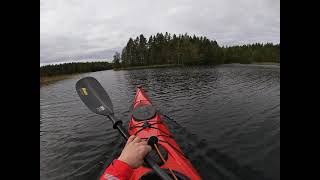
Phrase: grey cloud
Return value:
(97, 28)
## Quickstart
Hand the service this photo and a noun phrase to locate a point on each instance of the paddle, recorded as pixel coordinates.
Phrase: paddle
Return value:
(98, 101)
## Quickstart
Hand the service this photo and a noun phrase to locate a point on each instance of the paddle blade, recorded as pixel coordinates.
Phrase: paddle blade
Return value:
(94, 96)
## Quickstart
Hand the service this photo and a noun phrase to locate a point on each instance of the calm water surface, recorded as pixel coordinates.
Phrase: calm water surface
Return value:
(226, 119)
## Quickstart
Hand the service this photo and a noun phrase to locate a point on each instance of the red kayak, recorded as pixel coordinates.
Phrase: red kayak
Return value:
(146, 122)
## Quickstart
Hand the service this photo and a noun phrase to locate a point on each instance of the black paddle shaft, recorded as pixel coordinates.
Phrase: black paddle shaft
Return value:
(117, 124)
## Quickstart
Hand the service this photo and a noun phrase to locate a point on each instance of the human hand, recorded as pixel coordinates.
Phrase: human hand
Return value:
(134, 151)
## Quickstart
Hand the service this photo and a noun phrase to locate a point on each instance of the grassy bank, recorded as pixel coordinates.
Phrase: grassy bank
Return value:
(148, 67)
(51, 79)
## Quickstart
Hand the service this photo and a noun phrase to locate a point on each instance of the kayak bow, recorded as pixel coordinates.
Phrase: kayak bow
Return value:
(146, 122)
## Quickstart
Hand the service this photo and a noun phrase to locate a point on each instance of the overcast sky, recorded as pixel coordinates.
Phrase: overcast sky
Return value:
(75, 30)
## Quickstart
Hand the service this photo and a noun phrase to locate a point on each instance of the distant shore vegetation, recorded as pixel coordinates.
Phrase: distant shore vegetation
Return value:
(166, 50)
(57, 72)
(73, 68)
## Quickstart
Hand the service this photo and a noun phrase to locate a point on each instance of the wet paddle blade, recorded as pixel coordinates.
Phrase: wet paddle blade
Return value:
(94, 96)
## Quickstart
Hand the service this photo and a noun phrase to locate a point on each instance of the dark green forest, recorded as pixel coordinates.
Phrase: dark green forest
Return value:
(72, 68)
(191, 50)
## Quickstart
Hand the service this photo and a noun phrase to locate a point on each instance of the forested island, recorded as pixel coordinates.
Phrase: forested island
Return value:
(191, 50)
(166, 50)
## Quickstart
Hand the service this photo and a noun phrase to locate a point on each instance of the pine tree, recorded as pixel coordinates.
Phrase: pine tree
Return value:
(142, 50)
(116, 60)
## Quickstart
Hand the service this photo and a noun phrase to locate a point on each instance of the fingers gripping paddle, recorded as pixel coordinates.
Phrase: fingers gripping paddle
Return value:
(98, 101)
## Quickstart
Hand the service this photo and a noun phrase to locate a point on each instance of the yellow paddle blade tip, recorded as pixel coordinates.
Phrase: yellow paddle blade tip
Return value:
(84, 91)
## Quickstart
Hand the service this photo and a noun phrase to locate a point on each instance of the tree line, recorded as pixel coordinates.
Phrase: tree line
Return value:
(181, 49)
(190, 50)
(71, 68)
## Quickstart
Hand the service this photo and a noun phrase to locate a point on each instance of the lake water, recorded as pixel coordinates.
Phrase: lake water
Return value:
(226, 119)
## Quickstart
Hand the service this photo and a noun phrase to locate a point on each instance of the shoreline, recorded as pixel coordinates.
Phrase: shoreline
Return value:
(148, 67)
(180, 65)
(46, 80)
(266, 63)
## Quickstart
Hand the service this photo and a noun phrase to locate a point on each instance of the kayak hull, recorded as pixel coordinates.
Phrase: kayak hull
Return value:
(176, 160)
